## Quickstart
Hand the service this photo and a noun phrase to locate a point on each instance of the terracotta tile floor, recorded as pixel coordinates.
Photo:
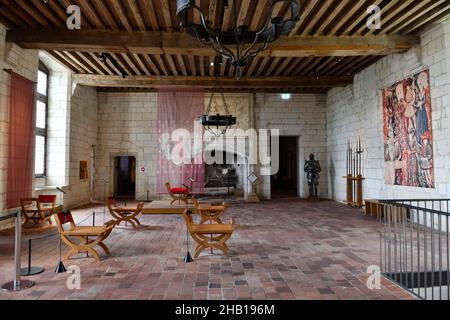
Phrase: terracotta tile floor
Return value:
(283, 249)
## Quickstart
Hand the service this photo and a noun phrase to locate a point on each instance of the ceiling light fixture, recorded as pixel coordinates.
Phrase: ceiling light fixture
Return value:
(286, 96)
(241, 44)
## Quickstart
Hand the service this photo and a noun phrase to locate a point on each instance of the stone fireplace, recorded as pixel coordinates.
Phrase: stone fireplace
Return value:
(224, 178)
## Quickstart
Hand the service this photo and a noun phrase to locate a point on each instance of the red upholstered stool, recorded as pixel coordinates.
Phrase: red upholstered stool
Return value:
(179, 190)
(178, 194)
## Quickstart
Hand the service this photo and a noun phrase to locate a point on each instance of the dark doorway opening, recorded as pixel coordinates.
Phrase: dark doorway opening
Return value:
(285, 182)
(125, 177)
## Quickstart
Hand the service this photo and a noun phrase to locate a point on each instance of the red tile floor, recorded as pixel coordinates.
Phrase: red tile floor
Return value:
(282, 249)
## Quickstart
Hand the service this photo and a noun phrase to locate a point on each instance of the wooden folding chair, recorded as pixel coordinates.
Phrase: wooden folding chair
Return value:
(209, 212)
(38, 210)
(124, 214)
(178, 194)
(83, 234)
(213, 236)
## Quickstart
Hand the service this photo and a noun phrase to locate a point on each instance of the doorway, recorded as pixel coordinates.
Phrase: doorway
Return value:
(285, 182)
(125, 177)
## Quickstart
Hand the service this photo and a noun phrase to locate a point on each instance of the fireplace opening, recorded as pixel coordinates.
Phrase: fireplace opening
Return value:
(223, 178)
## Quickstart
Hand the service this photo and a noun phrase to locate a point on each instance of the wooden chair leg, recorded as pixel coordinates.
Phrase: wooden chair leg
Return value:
(105, 249)
(69, 253)
(132, 223)
(217, 220)
(94, 253)
(199, 250)
(86, 245)
(135, 220)
(205, 242)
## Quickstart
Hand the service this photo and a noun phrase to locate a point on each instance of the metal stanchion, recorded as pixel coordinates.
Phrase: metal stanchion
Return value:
(17, 284)
(29, 270)
(187, 257)
(60, 268)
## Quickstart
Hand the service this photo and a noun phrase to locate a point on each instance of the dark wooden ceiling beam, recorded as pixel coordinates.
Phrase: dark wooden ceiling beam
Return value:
(103, 10)
(91, 14)
(51, 16)
(192, 65)
(167, 15)
(209, 81)
(136, 14)
(119, 14)
(27, 6)
(23, 17)
(151, 64)
(232, 91)
(149, 14)
(173, 43)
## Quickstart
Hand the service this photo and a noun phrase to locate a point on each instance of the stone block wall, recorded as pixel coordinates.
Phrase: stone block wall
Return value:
(356, 111)
(302, 116)
(127, 126)
(82, 140)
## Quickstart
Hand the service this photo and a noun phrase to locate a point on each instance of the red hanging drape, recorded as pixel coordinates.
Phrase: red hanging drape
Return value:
(179, 110)
(20, 170)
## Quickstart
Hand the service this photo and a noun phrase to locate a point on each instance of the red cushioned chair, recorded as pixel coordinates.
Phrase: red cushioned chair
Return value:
(178, 194)
(38, 210)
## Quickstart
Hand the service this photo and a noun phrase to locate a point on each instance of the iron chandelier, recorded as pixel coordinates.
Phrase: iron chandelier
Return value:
(217, 124)
(241, 44)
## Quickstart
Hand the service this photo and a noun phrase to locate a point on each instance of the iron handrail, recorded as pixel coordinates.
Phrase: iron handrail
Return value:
(408, 206)
(415, 246)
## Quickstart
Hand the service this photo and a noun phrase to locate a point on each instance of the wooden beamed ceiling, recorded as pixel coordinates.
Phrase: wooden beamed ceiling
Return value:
(327, 47)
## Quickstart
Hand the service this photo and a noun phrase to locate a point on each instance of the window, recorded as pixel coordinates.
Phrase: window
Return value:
(41, 121)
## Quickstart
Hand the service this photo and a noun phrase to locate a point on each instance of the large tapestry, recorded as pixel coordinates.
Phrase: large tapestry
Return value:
(408, 139)
(179, 110)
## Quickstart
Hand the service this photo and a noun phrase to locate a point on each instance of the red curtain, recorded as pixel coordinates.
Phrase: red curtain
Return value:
(180, 110)
(21, 141)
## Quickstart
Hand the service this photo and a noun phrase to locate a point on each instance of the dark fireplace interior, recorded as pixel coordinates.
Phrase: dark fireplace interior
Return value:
(221, 175)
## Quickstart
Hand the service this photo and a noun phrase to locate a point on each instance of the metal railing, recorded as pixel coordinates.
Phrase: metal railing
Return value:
(414, 246)
(17, 284)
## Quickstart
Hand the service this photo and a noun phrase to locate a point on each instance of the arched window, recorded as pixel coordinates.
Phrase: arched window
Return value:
(41, 121)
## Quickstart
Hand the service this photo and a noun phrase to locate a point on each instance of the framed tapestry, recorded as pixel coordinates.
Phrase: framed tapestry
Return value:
(408, 139)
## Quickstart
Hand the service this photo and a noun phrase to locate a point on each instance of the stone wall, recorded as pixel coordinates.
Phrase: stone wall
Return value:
(302, 116)
(25, 63)
(128, 127)
(82, 139)
(356, 111)
(71, 115)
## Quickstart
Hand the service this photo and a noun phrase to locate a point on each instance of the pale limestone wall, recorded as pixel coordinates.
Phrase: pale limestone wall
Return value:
(72, 115)
(302, 116)
(126, 127)
(82, 139)
(356, 111)
(25, 63)
(60, 90)
(238, 105)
